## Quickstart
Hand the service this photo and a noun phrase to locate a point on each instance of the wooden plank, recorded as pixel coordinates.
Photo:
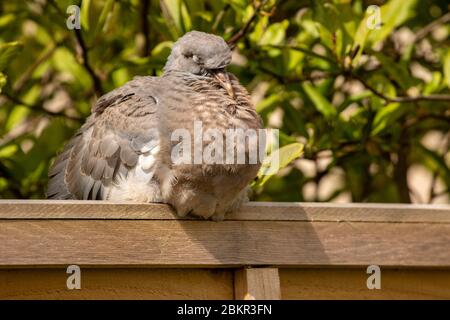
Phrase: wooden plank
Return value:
(77, 209)
(176, 243)
(108, 283)
(254, 211)
(148, 283)
(351, 284)
(257, 284)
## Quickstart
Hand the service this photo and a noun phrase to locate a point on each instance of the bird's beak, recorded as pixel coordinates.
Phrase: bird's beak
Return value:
(224, 80)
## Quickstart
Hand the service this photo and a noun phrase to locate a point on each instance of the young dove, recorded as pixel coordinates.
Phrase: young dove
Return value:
(124, 151)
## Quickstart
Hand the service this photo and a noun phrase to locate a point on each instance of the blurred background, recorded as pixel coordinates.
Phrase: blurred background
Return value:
(359, 89)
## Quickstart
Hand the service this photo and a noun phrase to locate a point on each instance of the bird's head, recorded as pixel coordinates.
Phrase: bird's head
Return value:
(201, 54)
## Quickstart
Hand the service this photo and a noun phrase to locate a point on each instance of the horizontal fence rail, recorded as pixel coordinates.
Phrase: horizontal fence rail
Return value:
(98, 233)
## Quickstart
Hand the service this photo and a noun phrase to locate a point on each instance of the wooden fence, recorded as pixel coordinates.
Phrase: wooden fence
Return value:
(265, 251)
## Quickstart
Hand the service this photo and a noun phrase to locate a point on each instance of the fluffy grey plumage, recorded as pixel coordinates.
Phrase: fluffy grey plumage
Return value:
(123, 151)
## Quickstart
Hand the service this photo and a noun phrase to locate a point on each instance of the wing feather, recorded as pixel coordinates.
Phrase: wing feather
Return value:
(108, 145)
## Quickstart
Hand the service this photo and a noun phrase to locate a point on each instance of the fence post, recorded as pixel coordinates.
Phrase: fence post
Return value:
(257, 284)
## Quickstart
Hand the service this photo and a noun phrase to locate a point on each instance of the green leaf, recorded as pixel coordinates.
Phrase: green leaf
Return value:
(393, 14)
(447, 68)
(293, 119)
(259, 27)
(399, 71)
(7, 52)
(336, 24)
(120, 77)
(2, 81)
(386, 116)
(177, 16)
(185, 18)
(320, 102)
(327, 22)
(85, 14)
(64, 62)
(8, 151)
(360, 39)
(278, 160)
(293, 60)
(275, 33)
(435, 84)
(16, 116)
(354, 98)
(106, 12)
(269, 102)
(436, 163)
(6, 19)
(239, 4)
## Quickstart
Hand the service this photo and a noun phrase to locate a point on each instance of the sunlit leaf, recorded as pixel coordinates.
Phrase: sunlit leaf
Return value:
(397, 70)
(319, 101)
(447, 68)
(393, 14)
(370, 31)
(435, 84)
(8, 151)
(178, 15)
(387, 115)
(16, 116)
(268, 103)
(2, 81)
(6, 19)
(275, 34)
(85, 14)
(278, 160)
(120, 77)
(106, 12)
(7, 52)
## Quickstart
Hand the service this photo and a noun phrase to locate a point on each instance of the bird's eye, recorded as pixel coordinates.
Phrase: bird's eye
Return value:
(192, 56)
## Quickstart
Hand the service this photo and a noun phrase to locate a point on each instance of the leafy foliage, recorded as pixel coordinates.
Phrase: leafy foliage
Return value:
(361, 106)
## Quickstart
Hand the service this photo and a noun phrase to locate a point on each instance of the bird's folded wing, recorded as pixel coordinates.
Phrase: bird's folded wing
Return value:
(122, 126)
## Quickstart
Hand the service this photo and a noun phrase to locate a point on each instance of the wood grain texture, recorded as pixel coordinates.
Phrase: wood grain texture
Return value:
(357, 212)
(149, 283)
(351, 284)
(109, 240)
(257, 284)
(111, 283)
(178, 243)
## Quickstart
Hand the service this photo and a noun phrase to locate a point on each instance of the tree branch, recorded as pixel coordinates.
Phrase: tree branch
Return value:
(401, 169)
(241, 32)
(84, 52)
(306, 77)
(433, 194)
(25, 77)
(38, 108)
(145, 28)
(435, 97)
(304, 50)
(422, 33)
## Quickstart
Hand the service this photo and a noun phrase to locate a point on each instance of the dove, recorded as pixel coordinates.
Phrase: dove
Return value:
(124, 150)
